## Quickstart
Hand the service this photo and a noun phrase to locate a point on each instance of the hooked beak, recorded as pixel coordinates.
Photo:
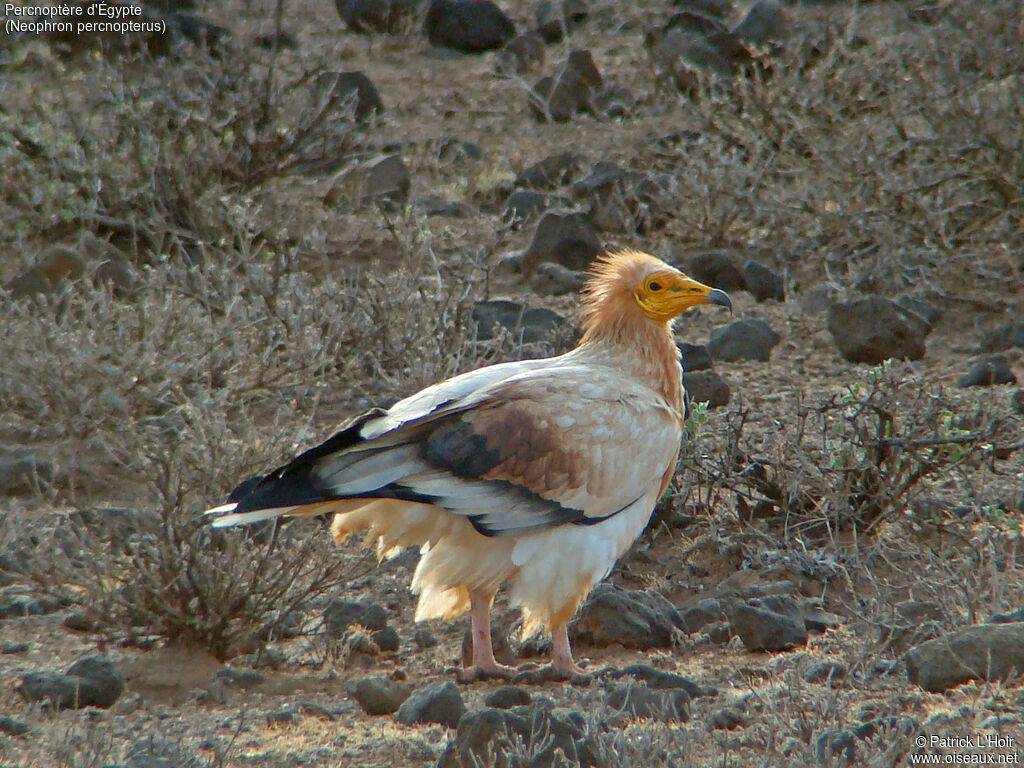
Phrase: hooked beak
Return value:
(721, 298)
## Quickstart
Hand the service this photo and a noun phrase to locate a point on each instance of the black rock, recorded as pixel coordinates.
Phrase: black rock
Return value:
(240, 678)
(92, 681)
(569, 91)
(874, 329)
(380, 696)
(701, 613)
(556, 17)
(15, 604)
(459, 151)
(671, 705)
(522, 54)
(773, 623)
(508, 696)
(659, 679)
(744, 340)
(630, 618)
(1005, 336)
(717, 269)
(368, 16)
(22, 470)
(707, 387)
(524, 204)
(424, 638)
(564, 237)
(349, 90)
(979, 652)
(12, 727)
(438, 703)
(340, 614)
(764, 283)
(987, 371)
(824, 671)
(527, 325)
(493, 736)
(553, 171)
(387, 639)
(550, 279)
(726, 719)
(695, 357)
(922, 308)
(469, 26)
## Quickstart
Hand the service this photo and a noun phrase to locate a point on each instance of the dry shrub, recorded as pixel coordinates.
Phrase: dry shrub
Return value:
(857, 459)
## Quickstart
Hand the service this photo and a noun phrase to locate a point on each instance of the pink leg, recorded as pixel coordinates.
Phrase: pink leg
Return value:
(484, 664)
(561, 652)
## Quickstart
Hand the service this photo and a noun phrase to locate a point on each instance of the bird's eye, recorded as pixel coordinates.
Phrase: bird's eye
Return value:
(654, 286)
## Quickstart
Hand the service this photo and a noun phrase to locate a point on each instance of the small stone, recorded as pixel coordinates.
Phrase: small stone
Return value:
(369, 16)
(349, 90)
(569, 91)
(240, 678)
(553, 171)
(81, 621)
(12, 648)
(824, 671)
(527, 325)
(988, 371)
(744, 340)
(726, 719)
(633, 619)
(707, 387)
(550, 279)
(764, 23)
(22, 471)
(979, 652)
(521, 54)
(874, 329)
(922, 308)
(281, 718)
(508, 696)
(438, 703)
(556, 17)
(469, 26)
(670, 705)
(341, 614)
(695, 617)
(380, 696)
(12, 727)
(772, 623)
(526, 204)
(764, 283)
(695, 357)
(424, 638)
(563, 237)
(92, 681)
(387, 639)
(384, 180)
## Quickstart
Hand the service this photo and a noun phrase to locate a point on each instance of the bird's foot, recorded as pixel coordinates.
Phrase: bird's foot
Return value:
(553, 673)
(480, 672)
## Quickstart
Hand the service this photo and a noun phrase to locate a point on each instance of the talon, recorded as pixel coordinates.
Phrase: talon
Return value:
(552, 674)
(477, 674)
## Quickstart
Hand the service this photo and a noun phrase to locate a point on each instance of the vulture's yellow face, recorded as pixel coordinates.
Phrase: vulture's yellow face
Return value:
(666, 293)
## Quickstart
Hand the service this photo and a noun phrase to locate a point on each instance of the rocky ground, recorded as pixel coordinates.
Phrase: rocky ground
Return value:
(222, 239)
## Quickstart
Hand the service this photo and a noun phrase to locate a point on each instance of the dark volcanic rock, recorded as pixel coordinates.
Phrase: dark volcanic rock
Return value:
(633, 619)
(764, 23)
(744, 340)
(987, 371)
(659, 679)
(349, 90)
(341, 614)
(469, 26)
(525, 204)
(550, 279)
(526, 324)
(695, 357)
(773, 623)
(726, 719)
(670, 705)
(387, 639)
(508, 696)
(12, 727)
(764, 283)
(522, 54)
(92, 681)
(438, 703)
(491, 736)
(703, 612)
(380, 696)
(569, 91)
(623, 200)
(564, 237)
(375, 15)
(979, 652)
(707, 387)
(15, 604)
(874, 329)
(553, 171)
(717, 269)
(1005, 336)
(824, 671)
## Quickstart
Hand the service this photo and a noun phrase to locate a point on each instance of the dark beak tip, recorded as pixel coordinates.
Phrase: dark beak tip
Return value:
(721, 298)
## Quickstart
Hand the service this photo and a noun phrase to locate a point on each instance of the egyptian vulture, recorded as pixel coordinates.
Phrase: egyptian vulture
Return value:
(537, 474)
